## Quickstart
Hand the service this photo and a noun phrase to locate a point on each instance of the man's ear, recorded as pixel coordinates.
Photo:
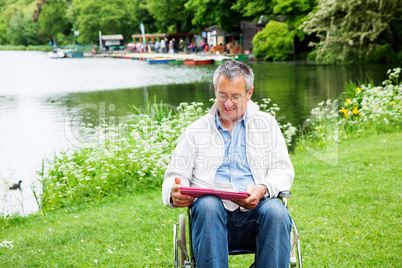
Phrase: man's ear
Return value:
(250, 93)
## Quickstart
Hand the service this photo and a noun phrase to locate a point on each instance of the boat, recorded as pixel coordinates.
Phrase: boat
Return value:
(175, 61)
(241, 57)
(198, 61)
(56, 54)
(158, 61)
(221, 59)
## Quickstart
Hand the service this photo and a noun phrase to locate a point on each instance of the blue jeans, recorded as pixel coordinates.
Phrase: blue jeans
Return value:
(265, 230)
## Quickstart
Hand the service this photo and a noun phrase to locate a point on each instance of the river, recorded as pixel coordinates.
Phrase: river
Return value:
(44, 101)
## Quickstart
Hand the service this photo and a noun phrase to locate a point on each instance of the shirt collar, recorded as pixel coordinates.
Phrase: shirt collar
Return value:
(219, 124)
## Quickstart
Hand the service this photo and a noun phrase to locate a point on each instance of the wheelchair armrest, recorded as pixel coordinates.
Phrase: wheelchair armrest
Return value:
(285, 194)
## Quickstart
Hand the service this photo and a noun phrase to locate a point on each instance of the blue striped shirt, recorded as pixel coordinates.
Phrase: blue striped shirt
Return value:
(234, 168)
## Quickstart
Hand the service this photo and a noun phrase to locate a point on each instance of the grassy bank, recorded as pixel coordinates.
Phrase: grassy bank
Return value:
(348, 215)
(22, 47)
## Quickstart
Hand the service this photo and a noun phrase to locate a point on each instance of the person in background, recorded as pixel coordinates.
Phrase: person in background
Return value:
(163, 45)
(157, 46)
(171, 47)
(235, 147)
(182, 46)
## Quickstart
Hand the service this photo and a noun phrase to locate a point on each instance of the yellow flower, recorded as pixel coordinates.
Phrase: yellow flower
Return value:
(358, 89)
(345, 112)
(347, 102)
(355, 110)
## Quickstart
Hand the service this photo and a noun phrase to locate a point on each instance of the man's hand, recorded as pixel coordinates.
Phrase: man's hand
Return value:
(180, 200)
(256, 193)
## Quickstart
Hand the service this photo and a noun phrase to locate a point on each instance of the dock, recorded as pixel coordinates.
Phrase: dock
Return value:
(179, 58)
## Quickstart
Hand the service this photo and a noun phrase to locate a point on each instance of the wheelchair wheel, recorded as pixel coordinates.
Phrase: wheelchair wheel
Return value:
(295, 250)
(180, 244)
(182, 233)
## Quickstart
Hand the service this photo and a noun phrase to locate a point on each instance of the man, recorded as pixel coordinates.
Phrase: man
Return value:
(234, 148)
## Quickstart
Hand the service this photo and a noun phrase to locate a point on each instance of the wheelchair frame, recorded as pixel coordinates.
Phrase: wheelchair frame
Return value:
(184, 258)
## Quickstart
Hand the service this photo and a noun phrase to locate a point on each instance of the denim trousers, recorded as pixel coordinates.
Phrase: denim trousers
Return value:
(265, 230)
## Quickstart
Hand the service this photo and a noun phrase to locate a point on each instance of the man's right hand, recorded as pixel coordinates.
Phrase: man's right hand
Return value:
(180, 200)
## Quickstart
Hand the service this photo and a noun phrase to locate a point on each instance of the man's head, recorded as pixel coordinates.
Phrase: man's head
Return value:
(233, 83)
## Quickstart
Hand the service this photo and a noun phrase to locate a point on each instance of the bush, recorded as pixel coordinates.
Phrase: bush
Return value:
(363, 109)
(274, 42)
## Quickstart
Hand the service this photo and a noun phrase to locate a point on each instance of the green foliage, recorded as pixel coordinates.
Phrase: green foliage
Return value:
(274, 42)
(254, 8)
(15, 29)
(213, 12)
(170, 14)
(53, 19)
(138, 13)
(91, 16)
(22, 30)
(296, 12)
(353, 30)
(3, 33)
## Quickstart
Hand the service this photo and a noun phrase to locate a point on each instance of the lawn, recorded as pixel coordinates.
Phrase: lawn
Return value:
(348, 216)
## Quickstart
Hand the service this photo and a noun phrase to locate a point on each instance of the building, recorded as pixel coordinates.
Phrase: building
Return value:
(238, 41)
(114, 40)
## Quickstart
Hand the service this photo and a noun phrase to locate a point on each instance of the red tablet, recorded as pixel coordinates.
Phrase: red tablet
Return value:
(198, 192)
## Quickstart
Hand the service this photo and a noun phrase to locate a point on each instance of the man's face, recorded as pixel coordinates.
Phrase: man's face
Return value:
(231, 97)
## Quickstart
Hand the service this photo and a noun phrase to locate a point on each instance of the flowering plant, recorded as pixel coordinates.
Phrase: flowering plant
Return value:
(362, 109)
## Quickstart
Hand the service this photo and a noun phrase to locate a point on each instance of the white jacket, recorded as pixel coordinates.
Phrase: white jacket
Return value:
(200, 151)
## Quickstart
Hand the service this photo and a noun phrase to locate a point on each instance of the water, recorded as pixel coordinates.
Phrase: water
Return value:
(44, 101)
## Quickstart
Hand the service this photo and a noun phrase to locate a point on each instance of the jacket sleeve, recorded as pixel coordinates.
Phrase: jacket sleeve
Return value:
(181, 165)
(280, 173)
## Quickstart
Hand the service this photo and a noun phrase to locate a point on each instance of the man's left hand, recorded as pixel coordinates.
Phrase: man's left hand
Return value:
(256, 192)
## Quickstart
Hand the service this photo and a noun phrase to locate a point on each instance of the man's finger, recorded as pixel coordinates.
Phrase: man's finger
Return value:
(177, 181)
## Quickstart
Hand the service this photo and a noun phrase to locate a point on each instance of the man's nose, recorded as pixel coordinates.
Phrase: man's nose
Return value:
(228, 102)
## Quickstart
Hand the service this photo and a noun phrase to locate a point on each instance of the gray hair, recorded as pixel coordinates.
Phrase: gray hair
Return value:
(233, 69)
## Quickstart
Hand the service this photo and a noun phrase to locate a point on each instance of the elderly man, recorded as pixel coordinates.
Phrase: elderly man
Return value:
(235, 147)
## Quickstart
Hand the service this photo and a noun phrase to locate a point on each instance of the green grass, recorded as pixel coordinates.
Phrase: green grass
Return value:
(348, 216)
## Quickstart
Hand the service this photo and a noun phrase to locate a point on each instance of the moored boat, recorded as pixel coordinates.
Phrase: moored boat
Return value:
(221, 59)
(198, 61)
(158, 61)
(56, 54)
(175, 61)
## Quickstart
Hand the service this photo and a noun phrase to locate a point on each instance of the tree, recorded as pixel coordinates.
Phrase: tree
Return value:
(91, 16)
(15, 29)
(3, 34)
(274, 42)
(170, 15)
(293, 12)
(52, 18)
(139, 13)
(296, 12)
(254, 8)
(219, 12)
(354, 29)
(22, 30)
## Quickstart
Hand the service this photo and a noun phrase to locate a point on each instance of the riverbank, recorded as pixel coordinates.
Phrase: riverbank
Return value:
(347, 215)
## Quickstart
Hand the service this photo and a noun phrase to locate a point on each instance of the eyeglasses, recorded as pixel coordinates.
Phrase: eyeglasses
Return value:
(234, 99)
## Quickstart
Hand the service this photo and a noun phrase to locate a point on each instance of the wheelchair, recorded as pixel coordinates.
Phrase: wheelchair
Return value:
(184, 258)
